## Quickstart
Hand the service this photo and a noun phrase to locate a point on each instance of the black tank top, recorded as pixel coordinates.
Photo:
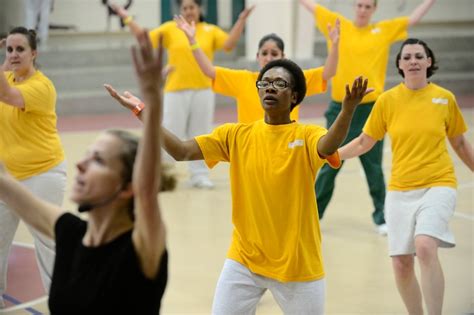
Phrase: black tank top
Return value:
(101, 280)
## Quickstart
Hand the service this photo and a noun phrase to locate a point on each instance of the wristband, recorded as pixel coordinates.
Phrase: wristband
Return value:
(195, 46)
(127, 20)
(138, 109)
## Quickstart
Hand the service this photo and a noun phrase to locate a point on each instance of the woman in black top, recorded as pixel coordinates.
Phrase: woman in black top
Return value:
(116, 262)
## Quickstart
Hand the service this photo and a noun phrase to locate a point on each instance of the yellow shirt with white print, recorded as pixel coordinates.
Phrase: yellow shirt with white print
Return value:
(418, 122)
(362, 50)
(274, 213)
(186, 73)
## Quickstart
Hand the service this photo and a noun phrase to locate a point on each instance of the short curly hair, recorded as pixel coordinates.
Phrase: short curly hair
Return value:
(299, 80)
(429, 53)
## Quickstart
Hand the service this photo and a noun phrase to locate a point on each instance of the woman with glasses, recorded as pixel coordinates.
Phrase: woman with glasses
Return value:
(276, 241)
(418, 115)
(240, 84)
(188, 100)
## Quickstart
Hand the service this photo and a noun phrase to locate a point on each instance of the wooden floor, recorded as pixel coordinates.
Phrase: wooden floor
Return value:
(358, 269)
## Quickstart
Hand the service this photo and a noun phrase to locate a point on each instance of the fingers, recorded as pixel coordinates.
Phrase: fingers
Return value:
(3, 43)
(111, 90)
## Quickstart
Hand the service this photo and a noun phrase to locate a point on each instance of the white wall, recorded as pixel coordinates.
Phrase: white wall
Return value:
(90, 15)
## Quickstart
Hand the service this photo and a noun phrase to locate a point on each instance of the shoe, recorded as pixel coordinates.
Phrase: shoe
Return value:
(202, 183)
(382, 229)
(2, 303)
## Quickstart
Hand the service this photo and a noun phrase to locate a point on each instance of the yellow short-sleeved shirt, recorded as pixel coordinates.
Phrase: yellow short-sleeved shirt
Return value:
(362, 51)
(240, 84)
(187, 74)
(418, 123)
(272, 172)
(29, 141)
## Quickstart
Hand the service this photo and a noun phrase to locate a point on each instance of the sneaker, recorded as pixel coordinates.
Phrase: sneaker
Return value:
(382, 229)
(202, 183)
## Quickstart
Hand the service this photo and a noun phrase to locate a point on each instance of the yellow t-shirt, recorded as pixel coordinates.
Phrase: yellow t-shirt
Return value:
(240, 84)
(272, 172)
(418, 123)
(362, 51)
(187, 74)
(29, 141)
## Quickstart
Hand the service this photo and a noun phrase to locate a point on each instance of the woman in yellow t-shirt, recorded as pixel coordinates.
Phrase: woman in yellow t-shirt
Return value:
(188, 100)
(240, 84)
(276, 241)
(418, 115)
(30, 146)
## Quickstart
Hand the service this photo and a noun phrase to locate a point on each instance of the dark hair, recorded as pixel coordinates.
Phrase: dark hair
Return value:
(429, 53)
(274, 37)
(29, 34)
(198, 2)
(299, 81)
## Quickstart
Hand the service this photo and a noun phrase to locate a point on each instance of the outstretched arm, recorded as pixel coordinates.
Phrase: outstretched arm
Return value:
(178, 149)
(360, 145)
(464, 150)
(237, 29)
(330, 142)
(40, 214)
(420, 11)
(330, 67)
(308, 4)
(203, 61)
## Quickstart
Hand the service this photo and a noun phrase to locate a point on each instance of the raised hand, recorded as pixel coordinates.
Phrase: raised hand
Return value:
(246, 12)
(334, 32)
(119, 10)
(355, 95)
(3, 43)
(188, 29)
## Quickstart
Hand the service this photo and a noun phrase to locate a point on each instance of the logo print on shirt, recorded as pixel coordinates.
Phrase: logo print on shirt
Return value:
(439, 100)
(376, 30)
(296, 143)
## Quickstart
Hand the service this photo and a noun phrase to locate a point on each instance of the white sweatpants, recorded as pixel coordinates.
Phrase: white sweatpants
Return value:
(187, 114)
(49, 186)
(41, 9)
(239, 290)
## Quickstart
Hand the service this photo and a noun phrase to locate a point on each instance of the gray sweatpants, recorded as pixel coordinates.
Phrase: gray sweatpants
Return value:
(239, 290)
(49, 186)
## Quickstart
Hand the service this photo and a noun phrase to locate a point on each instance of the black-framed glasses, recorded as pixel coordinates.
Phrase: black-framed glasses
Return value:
(278, 84)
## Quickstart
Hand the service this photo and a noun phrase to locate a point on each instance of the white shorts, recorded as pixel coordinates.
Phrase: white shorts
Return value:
(419, 212)
(239, 290)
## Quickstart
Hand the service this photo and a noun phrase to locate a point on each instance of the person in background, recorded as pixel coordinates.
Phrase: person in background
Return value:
(364, 47)
(419, 117)
(37, 18)
(188, 100)
(240, 84)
